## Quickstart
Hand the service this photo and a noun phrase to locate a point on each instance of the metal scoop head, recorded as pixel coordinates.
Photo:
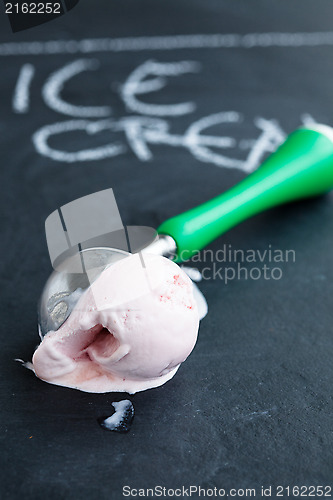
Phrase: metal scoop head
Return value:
(65, 285)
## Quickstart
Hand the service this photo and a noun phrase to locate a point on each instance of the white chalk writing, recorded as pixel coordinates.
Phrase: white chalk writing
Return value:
(149, 124)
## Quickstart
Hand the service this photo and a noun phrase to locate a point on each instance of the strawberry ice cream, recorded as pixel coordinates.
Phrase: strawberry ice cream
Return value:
(129, 331)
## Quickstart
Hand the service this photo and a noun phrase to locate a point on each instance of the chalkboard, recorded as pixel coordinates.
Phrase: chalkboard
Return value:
(252, 406)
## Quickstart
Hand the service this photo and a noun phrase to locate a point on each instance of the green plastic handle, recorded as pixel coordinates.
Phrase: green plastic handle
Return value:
(302, 167)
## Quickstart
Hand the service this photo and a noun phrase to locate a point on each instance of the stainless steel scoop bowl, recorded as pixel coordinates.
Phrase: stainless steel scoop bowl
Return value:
(65, 285)
(75, 274)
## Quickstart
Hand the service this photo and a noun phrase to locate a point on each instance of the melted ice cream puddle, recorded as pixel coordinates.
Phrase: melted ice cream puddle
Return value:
(122, 418)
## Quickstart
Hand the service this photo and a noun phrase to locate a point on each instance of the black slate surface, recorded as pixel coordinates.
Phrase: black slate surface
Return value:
(252, 405)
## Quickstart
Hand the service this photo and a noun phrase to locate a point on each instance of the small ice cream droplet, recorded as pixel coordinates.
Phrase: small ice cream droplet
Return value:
(122, 418)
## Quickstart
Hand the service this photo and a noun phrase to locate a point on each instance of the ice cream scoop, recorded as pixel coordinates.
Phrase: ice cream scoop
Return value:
(129, 331)
(302, 167)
